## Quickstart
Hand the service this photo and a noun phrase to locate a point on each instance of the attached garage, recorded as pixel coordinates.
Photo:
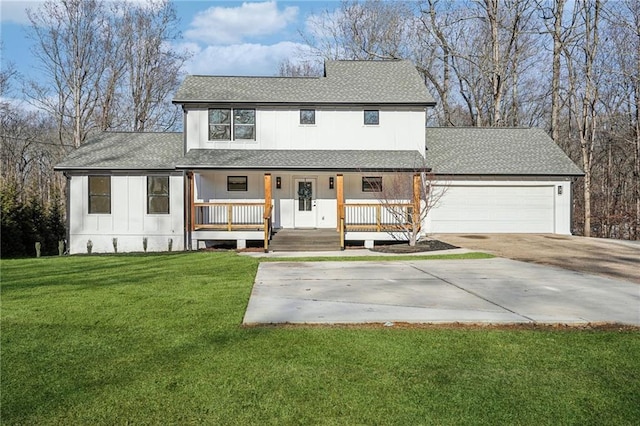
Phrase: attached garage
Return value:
(495, 209)
(499, 180)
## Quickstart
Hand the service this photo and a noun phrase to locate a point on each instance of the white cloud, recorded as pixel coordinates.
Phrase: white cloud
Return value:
(242, 59)
(232, 25)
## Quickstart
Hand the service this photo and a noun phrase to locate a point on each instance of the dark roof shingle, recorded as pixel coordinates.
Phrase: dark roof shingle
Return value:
(496, 151)
(126, 151)
(351, 82)
(289, 159)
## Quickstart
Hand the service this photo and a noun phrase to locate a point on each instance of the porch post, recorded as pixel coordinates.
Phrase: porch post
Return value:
(267, 210)
(340, 203)
(340, 198)
(267, 191)
(416, 201)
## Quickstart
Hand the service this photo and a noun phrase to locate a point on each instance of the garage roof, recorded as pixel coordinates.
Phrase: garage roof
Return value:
(496, 151)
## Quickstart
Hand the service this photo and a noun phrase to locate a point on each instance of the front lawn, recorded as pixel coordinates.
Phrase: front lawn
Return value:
(156, 339)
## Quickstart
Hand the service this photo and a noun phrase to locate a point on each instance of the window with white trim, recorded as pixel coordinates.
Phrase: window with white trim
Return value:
(157, 194)
(371, 117)
(227, 124)
(307, 116)
(99, 194)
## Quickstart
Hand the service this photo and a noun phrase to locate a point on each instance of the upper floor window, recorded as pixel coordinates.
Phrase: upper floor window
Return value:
(244, 124)
(227, 124)
(371, 117)
(307, 116)
(157, 194)
(100, 194)
(220, 124)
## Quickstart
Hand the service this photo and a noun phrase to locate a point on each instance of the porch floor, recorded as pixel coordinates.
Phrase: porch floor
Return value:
(305, 240)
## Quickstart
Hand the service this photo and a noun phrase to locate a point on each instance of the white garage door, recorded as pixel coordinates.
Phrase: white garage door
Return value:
(495, 209)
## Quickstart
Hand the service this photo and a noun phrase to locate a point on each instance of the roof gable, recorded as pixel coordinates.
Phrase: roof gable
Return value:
(350, 82)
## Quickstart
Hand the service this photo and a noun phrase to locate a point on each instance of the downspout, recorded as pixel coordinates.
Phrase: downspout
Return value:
(571, 204)
(187, 214)
(186, 187)
(67, 208)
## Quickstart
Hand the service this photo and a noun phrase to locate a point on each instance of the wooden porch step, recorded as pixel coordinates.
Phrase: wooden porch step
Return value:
(305, 240)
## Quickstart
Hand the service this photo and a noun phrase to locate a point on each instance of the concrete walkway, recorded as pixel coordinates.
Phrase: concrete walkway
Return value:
(437, 291)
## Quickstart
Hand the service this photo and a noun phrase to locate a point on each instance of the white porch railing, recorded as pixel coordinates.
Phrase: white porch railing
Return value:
(377, 217)
(229, 216)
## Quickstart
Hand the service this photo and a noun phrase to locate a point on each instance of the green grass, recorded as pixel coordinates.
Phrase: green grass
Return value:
(156, 339)
(387, 258)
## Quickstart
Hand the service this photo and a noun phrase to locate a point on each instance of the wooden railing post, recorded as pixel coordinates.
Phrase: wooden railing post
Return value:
(267, 210)
(267, 191)
(340, 200)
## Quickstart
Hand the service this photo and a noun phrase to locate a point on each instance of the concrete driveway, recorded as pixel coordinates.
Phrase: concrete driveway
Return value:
(437, 291)
(609, 258)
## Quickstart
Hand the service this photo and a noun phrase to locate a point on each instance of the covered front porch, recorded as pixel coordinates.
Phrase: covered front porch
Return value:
(246, 206)
(243, 194)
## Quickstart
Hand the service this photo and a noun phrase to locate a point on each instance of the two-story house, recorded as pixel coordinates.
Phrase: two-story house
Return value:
(264, 153)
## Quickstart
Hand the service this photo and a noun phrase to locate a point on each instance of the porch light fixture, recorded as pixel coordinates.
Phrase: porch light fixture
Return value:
(278, 182)
(559, 190)
(331, 182)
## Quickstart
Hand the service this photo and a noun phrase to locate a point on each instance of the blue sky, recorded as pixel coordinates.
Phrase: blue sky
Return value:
(226, 37)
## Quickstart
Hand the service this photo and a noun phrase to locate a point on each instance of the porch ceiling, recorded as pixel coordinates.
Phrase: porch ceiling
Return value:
(356, 160)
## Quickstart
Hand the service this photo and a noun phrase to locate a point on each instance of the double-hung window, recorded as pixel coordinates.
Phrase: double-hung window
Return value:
(227, 124)
(100, 194)
(157, 194)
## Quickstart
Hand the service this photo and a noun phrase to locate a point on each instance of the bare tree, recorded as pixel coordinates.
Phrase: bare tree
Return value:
(71, 53)
(367, 30)
(623, 111)
(407, 198)
(103, 60)
(152, 67)
(307, 68)
(584, 95)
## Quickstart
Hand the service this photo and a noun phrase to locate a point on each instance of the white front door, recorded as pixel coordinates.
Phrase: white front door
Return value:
(305, 203)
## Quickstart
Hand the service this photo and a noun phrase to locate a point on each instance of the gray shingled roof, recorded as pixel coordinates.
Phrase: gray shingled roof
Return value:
(496, 151)
(451, 150)
(126, 151)
(271, 159)
(353, 82)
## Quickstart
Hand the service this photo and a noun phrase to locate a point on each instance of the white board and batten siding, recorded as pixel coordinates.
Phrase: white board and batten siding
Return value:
(400, 128)
(503, 207)
(128, 221)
